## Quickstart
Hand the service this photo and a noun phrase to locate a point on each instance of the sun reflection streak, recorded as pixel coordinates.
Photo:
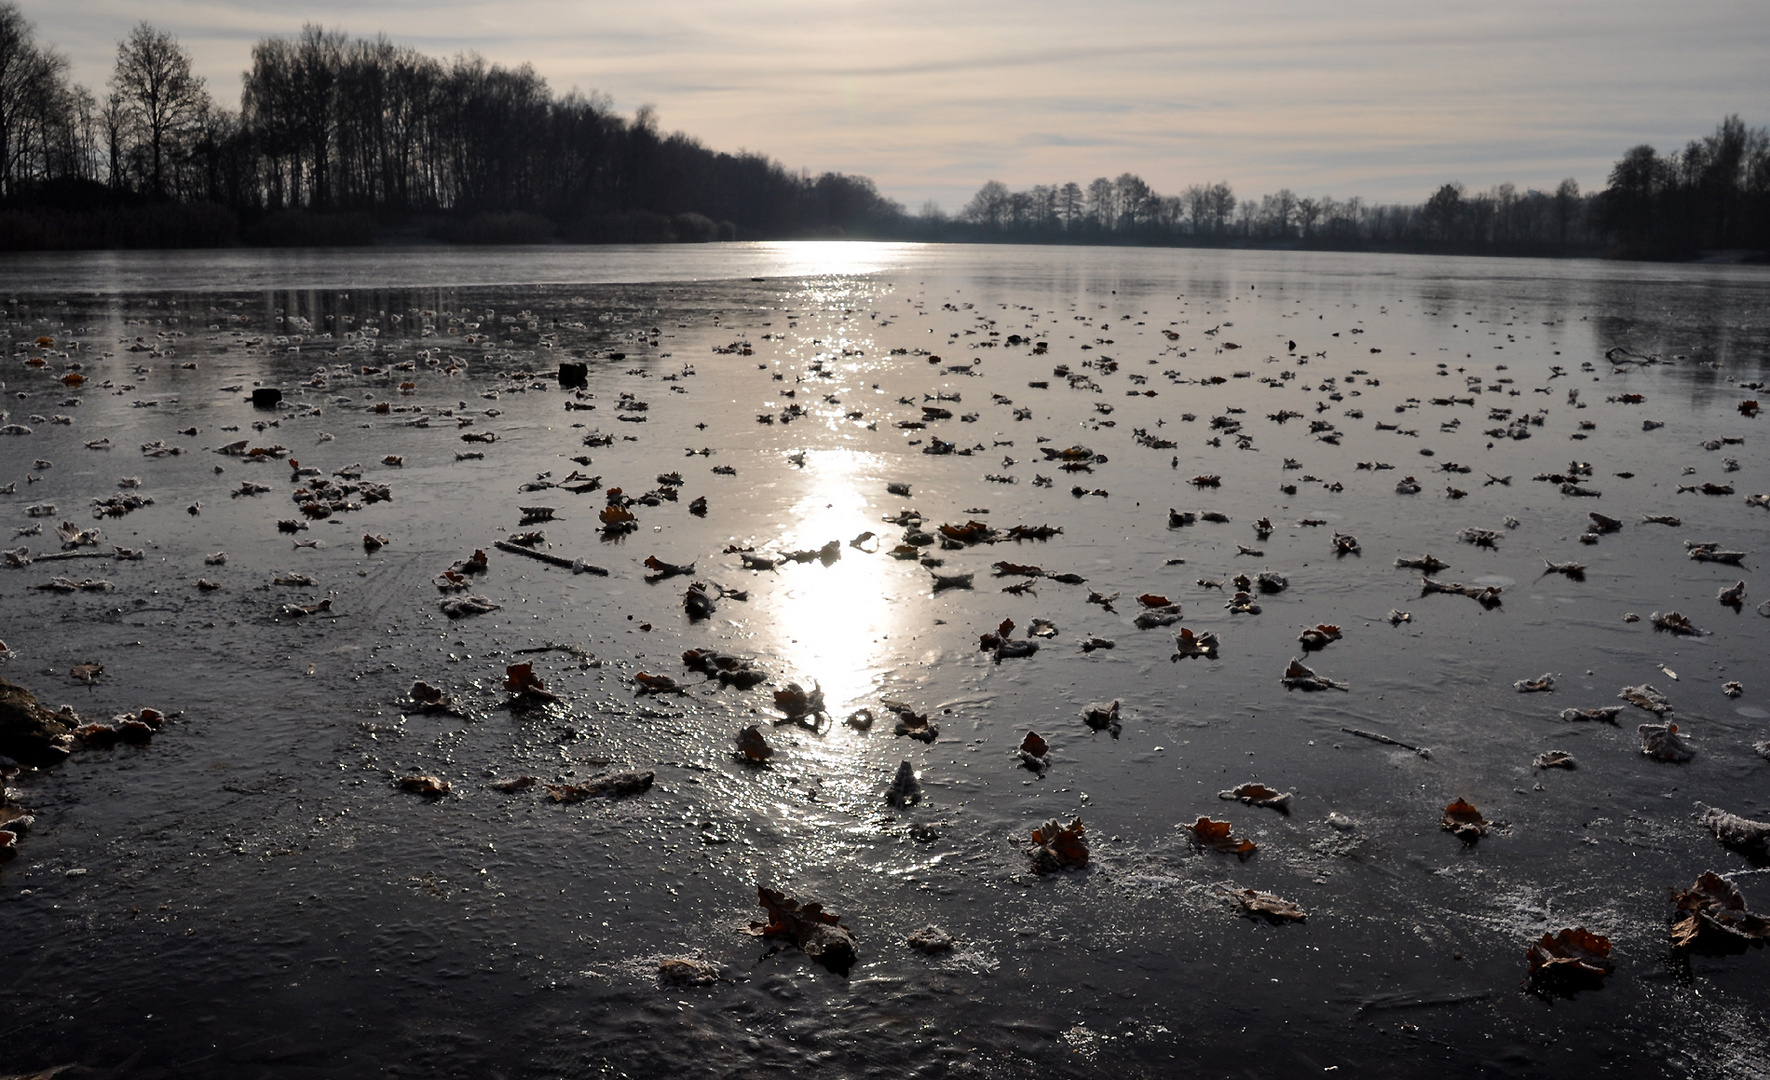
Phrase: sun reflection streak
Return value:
(833, 623)
(811, 258)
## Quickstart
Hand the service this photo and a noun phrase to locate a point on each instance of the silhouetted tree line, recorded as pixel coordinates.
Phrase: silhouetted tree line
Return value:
(1715, 194)
(335, 136)
(1128, 210)
(338, 138)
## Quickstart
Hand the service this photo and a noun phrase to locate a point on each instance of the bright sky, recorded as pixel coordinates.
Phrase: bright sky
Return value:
(1380, 98)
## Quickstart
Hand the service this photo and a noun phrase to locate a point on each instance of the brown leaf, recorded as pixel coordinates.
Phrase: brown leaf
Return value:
(1152, 600)
(912, 723)
(1188, 644)
(661, 569)
(428, 786)
(100, 736)
(1462, 818)
(818, 933)
(521, 678)
(1056, 846)
(1216, 835)
(1298, 677)
(1103, 716)
(1259, 795)
(681, 971)
(614, 785)
(1662, 741)
(1268, 906)
(1570, 960)
(798, 702)
(656, 684)
(1034, 745)
(972, 532)
(1712, 914)
(752, 745)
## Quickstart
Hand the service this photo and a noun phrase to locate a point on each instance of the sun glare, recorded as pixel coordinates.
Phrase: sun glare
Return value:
(834, 622)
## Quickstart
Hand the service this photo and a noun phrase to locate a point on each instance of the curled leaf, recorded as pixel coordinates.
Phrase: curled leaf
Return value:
(798, 703)
(1266, 906)
(1662, 741)
(428, 786)
(818, 933)
(752, 746)
(1189, 644)
(612, 785)
(1299, 677)
(1216, 836)
(1056, 846)
(1462, 818)
(1712, 915)
(1259, 795)
(1572, 959)
(1103, 716)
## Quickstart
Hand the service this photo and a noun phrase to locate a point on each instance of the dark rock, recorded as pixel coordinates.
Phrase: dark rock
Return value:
(30, 733)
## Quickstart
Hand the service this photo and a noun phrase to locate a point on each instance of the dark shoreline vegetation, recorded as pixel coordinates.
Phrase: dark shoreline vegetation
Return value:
(340, 142)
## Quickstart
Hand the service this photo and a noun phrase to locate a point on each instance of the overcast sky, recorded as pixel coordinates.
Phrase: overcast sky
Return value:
(1380, 98)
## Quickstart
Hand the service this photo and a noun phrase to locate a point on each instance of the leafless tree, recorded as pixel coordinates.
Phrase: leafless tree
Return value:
(162, 99)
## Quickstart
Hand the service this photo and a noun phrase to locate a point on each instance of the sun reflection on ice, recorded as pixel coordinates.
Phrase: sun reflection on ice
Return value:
(802, 258)
(833, 623)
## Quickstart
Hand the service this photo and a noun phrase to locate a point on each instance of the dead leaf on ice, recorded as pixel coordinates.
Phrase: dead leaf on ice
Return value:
(1573, 959)
(1712, 915)
(751, 746)
(428, 786)
(1216, 836)
(1056, 846)
(1259, 795)
(1662, 741)
(1265, 905)
(1465, 821)
(818, 933)
(1299, 677)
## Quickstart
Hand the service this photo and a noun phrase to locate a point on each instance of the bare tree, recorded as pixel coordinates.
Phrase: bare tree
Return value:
(1100, 203)
(1069, 205)
(990, 206)
(38, 108)
(1220, 202)
(1566, 204)
(1284, 211)
(1308, 213)
(1444, 209)
(161, 98)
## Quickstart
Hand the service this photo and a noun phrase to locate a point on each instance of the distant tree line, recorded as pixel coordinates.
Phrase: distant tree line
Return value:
(1127, 210)
(1714, 195)
(337, 139)
(335, 135)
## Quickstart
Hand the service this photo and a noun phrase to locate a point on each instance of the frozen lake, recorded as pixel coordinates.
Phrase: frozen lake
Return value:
(251, 893)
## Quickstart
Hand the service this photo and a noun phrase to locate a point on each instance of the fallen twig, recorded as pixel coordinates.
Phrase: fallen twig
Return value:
(576, 566)
(1374, 737)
